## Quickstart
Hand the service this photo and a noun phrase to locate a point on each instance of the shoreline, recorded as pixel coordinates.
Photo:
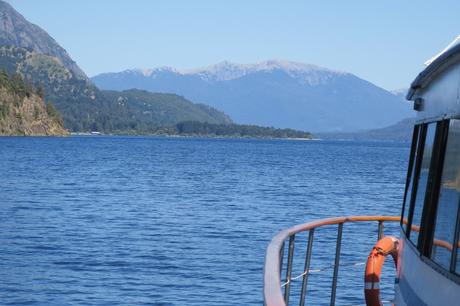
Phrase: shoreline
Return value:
(158, 135)
(210, 136)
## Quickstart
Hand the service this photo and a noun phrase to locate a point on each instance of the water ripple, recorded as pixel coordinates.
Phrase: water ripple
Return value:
(157, 221)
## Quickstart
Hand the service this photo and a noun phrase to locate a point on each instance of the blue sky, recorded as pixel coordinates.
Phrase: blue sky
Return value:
(385, 42)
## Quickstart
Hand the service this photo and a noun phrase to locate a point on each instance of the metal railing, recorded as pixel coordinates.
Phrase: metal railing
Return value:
(273, 295)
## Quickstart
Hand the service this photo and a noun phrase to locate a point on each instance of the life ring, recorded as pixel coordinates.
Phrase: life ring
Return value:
(386, 246)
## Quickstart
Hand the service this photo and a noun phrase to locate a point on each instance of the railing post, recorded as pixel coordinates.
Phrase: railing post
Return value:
(336, 263)
(307, 266)
(281, 259)
(289, 269)
(273, 292)
(380, 232)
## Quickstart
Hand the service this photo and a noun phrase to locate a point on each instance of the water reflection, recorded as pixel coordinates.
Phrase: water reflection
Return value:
(449, 197)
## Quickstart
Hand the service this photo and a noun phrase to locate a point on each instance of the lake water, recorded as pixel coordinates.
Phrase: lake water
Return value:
(182, 221)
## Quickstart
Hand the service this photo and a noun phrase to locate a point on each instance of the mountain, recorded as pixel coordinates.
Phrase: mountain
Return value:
(140, 108)
(274, 93)
(28, 50)
(86, 108)
(401, 93)
(24, 112)
(398, 132)
(16, 31)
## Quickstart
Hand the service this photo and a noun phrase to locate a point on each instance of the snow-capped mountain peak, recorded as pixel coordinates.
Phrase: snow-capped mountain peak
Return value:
(150, 72)
(225, 71)
(222, 71)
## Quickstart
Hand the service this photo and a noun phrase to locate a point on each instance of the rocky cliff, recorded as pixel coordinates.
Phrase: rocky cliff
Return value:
(24, 112)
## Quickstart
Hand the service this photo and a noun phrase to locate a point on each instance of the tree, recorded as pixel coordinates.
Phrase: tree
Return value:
(41, 91)
(53, 113)
(18, 84)
(4, 78)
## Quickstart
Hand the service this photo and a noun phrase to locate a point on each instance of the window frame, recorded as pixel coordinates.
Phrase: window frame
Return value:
(414, 147)
(424, 243)
(453, 262)
(453, 259)
(430, 205)
(418, 163)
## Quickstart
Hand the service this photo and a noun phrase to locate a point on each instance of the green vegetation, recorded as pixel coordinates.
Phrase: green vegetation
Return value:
(195, 128)
(15, 84)
(53, 113)
(147, 112)
(204, 129)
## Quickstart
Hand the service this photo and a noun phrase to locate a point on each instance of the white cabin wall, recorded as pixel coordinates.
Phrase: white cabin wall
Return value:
(441, 96)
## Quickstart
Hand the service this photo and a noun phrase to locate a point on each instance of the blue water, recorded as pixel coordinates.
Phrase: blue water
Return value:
(166, 221)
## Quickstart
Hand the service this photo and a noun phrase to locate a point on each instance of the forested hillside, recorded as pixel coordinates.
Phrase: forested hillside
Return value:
(86, 108)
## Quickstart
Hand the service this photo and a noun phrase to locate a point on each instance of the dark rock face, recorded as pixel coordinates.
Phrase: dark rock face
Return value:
(16, 31)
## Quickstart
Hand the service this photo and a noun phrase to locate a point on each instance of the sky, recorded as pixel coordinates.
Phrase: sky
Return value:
(384, 42)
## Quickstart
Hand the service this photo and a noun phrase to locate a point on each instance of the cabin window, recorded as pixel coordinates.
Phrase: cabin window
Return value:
(419, 199)
(448, 203)
(410, 175)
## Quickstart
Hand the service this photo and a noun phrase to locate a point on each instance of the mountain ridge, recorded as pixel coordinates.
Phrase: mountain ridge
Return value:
(275, 93)
(16, 31)
(401, 131)
(226, 70)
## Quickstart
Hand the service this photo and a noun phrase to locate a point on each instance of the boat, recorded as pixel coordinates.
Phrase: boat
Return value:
(425, 250)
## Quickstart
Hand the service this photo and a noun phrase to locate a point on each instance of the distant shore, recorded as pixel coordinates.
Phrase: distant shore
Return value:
(210, 130)
(211, 136)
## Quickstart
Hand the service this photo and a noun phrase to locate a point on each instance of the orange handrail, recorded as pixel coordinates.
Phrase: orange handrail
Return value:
(272, 278)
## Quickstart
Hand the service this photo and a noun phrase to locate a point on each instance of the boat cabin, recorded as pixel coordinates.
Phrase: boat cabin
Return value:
(429, 265)
(427, 252)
